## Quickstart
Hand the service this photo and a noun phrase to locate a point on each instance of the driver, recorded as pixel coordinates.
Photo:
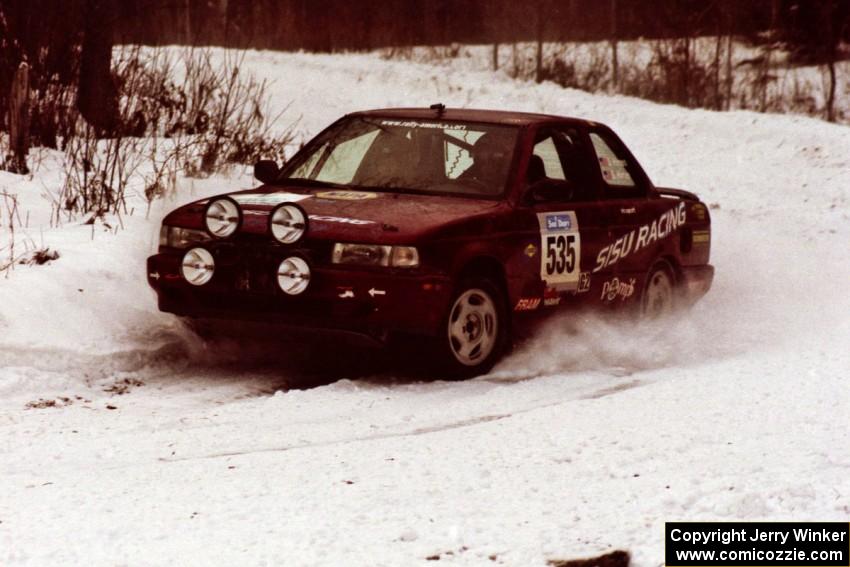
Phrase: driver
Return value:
(490, 156)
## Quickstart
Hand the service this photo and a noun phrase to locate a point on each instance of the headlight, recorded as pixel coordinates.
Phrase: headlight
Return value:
(375, 255)
(198, 266)
(404, 257)
(176, 237)
(288, 223)
(222, 217)
(293, 275)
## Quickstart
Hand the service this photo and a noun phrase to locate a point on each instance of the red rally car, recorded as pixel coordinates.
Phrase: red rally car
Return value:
(446, 224)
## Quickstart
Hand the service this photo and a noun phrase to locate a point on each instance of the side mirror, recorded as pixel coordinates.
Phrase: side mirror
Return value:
(266, 170)
(547, 190)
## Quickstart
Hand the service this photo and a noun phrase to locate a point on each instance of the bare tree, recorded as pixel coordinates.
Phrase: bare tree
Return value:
(97, 97)
(615, 67)
(19, 121)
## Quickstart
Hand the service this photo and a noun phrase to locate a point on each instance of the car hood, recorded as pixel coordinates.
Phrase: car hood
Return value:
(360, 216)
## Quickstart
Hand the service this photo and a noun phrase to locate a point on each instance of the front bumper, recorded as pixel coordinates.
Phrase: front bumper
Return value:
(360, 300)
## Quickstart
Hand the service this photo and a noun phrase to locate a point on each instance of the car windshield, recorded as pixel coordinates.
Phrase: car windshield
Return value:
(406, 155)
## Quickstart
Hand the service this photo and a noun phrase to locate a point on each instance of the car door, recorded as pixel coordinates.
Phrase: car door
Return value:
(624, 196)
(568, 220)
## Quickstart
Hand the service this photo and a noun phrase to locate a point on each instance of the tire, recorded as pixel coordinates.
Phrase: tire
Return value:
(475, 331)
(659, 298)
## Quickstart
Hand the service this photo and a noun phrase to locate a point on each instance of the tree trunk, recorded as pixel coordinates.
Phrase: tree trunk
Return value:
(538, 74)
(615, 64)
(97, 98)
(830, 99)
(19, 121)
(833, 39)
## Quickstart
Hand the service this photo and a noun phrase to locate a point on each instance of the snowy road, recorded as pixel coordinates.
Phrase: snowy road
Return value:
(585, 440)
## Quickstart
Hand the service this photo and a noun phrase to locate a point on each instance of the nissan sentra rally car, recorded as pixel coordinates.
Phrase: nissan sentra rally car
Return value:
(445, 224)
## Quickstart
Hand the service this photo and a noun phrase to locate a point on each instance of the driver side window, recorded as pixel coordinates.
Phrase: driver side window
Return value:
(546, 150)
(558, 160)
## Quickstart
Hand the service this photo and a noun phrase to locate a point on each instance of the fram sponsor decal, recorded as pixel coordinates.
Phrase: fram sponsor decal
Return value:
(558, 222)
(616, 287)
(640, 238)
(527, 304)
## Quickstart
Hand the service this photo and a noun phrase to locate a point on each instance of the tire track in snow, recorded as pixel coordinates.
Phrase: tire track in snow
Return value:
(608, 390)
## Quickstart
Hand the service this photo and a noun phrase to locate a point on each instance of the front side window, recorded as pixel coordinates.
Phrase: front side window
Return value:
(549, 158)
(405, 155)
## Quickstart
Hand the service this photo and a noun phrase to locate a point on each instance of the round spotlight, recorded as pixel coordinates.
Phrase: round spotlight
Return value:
(293, 275)
(288, 223)
(222, 217)
(198, 266)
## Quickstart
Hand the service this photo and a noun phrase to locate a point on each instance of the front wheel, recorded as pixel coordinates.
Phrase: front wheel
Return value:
(475, 331)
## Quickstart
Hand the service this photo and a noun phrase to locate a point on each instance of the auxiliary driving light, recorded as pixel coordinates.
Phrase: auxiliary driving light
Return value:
(293, 275)
(288, 223)
(222, 217)
(198, 266)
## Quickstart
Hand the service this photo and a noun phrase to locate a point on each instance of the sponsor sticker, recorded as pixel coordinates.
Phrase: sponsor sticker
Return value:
(426, 125)
(346, 195)
(531, 250)
(555, 223)
(617, 288)
(551, 297)
(340, 220)
(641, 237)
(527, 304)
(271, 199)
(560, 254)
(583, 282)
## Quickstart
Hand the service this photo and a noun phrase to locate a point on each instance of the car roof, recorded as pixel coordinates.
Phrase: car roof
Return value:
(471, 115)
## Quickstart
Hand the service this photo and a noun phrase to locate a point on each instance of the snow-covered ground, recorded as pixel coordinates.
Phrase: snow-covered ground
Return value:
(157, 449)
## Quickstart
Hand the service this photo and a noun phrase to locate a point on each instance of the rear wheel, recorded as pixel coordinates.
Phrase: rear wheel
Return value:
(659, 292)
(475, 329)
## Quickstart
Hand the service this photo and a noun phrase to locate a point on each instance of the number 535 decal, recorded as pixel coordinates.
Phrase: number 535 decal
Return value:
(561, 245)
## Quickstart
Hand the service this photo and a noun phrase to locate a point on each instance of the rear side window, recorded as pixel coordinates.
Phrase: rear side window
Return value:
(614, 167)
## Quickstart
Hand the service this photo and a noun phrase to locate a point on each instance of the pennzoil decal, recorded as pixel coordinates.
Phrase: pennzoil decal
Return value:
(346, 195)
(639, 238)
(560, 253)
(269, 198)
